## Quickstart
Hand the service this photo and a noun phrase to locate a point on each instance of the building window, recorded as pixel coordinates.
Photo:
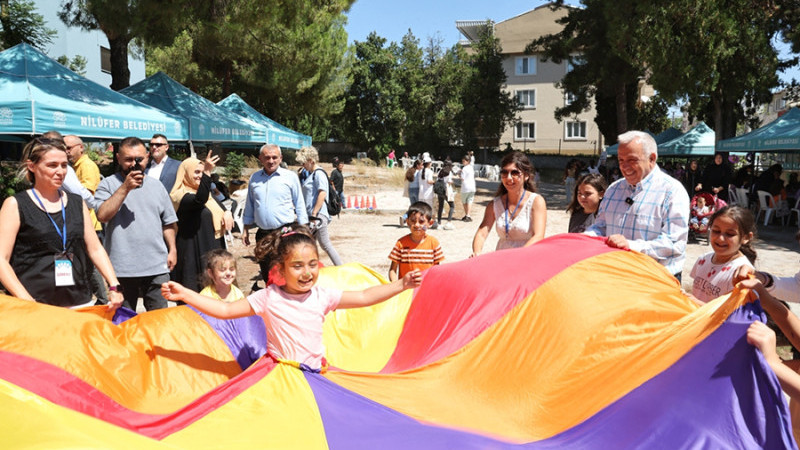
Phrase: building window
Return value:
(527, 98)
(525, 131)
(526, 65)
(574, 60)
(780, 104)
(576, 130)
(105, 60)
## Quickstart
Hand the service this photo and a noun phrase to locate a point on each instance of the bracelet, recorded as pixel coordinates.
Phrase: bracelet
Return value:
(115, 288)
(770, 280)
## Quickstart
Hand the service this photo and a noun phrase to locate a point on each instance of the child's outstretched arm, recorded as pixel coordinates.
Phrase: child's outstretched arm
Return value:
(221, 310)
(762, 337)
(377, 294)
(785, 319)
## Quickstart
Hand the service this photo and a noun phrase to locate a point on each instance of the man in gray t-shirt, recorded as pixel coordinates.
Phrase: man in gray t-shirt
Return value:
(140, 227)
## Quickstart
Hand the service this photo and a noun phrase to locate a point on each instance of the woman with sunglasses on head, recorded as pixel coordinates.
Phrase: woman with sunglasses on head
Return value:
(48, 245)
(518, 213)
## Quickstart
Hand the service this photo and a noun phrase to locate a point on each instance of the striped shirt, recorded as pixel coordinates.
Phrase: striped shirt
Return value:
(412, 255)
(655, 223)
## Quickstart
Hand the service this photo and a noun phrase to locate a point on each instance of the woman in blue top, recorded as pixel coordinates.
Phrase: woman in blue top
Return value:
(315, 192)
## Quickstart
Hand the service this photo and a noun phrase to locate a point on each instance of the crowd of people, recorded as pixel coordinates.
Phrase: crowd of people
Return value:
(163, 229)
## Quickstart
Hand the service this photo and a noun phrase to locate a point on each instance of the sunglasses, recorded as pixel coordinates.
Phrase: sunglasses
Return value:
(514, 173)
(157, 144)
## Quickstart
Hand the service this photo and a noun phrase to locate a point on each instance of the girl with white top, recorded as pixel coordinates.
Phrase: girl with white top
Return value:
(295, 312)
(518, 213)
(731, 232)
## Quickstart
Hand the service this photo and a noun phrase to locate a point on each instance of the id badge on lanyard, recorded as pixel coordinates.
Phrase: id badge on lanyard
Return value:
(64, 270)
(63, 260)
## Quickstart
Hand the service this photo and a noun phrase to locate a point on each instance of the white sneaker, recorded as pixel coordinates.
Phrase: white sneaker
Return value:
(448, 226)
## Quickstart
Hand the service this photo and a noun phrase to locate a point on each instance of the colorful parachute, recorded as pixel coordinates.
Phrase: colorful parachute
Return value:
(566, 344)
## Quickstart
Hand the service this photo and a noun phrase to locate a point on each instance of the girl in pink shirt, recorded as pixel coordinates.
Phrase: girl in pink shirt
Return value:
(294, 312)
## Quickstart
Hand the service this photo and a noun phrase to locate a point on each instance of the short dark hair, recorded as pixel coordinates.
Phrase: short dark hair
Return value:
(420, 208)
(159, 135)
(131, 142)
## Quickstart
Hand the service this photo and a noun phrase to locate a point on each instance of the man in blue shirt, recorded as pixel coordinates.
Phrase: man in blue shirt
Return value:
(274, 199)
(647, 210)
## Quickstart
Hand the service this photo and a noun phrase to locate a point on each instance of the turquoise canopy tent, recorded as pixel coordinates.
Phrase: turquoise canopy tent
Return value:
(664, 136)
(276, 133)
(207, 121)
(37, 94)
(780, 135)
(699, 141)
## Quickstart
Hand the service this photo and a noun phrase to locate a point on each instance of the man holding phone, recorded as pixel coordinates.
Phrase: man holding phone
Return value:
(140, 227)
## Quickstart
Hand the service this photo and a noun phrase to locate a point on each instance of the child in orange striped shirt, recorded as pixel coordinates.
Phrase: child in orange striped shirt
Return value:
(416, 250)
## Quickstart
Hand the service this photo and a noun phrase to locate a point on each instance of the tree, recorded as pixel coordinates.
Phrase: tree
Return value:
(121, 21)
(595, 43)
(487, 108)
(284, 58)
(77, 64)
(20, 23)
(373, 113)
(715, 53)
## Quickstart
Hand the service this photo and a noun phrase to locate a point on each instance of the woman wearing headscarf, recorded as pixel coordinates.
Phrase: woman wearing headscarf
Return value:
(202, 220)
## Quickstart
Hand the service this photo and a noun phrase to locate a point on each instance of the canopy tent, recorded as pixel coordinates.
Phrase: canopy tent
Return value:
(207, 121)
(780, 135)
(276, 133)
(699, 141)
(666, 135)
(37, 94)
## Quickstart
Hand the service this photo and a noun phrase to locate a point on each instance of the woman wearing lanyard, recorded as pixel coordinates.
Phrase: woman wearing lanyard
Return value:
(518, 213)
(48, 242)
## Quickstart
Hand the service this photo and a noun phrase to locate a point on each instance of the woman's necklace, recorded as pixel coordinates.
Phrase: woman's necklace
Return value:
(514, 212)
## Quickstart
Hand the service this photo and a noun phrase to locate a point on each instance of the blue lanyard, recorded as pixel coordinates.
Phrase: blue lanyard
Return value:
(515, 208)
(63, 233)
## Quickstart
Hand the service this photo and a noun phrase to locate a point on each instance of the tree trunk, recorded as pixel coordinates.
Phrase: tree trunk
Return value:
(120, 74)
(621, 102)
(719, 123)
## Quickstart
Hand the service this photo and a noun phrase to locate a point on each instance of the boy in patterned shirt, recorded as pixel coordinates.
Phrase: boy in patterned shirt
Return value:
(416, 250)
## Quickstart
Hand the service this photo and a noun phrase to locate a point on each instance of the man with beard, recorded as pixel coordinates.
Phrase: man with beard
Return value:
(140, 227)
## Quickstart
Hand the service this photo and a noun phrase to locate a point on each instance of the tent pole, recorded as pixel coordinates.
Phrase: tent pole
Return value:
(191, 150)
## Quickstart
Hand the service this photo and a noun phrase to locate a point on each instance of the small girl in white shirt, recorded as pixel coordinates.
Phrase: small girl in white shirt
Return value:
(293, 313)
(731, 232)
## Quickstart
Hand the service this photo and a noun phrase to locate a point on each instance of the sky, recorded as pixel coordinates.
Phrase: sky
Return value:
(391, 19)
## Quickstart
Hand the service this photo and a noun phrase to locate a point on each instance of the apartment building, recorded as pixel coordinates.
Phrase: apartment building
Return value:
(92, 45)
(533, 82)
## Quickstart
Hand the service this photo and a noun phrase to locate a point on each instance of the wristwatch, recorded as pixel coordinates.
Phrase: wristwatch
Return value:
(115, 288)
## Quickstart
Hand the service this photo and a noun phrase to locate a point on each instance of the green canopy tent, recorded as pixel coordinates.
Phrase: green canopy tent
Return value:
(37, 94)
(699, 141)
(208, 123)
(664, 136)
(780, 135)
(276, 133)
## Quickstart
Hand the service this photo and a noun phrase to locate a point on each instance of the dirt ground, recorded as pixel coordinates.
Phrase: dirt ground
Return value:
(366, 236)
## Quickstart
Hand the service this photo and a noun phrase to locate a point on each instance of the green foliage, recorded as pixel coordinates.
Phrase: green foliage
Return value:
(19, 22)
(151, 21)
(593, 40)
(77, 64)
(716, 54)
(487, 107)
(10, 180)
(284, 58)
(234, 163)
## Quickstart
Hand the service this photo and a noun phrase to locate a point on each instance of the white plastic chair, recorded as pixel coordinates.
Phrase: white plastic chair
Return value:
(765, 205)
(796, 210)
(238, 212)
(742, 197)
(733, 197)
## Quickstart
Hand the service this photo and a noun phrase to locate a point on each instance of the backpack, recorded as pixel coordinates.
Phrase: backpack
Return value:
(439, 188)
(332, 201)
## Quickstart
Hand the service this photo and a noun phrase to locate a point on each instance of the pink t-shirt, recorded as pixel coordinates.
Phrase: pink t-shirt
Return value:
(294, 322)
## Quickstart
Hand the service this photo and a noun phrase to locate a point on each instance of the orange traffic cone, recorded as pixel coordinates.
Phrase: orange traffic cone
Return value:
(374, 204)
(363, 203)
(349, 201)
